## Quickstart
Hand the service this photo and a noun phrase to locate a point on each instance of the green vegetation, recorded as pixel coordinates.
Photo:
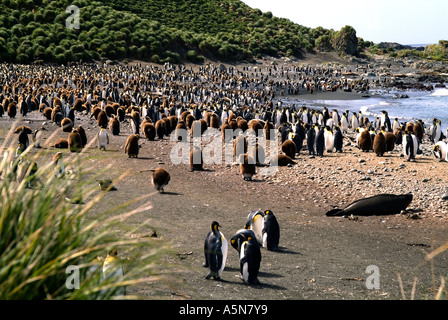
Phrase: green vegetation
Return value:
(44, 230)
(161, 31)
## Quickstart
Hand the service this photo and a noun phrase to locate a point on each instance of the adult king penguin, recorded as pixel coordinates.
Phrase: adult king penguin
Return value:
(215, 251)
(254, 222)
(410, 146)
(250, 260)
(103, 139)
(271, 231)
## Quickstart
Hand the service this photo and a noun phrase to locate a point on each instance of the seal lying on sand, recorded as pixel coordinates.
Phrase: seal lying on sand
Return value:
(382, 204)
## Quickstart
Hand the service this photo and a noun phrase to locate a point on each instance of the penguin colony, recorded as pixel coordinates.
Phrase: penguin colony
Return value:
(155, 102)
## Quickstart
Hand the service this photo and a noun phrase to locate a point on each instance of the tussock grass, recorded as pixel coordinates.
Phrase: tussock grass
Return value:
(44, 231)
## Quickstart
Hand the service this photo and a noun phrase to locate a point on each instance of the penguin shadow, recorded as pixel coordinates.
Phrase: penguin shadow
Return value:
(201, 170)
(284, 250)
(172, 193)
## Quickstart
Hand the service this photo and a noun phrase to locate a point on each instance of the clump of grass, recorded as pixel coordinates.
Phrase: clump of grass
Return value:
(44, 233)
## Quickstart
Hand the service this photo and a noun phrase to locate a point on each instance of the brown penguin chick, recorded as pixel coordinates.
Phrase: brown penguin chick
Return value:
(181, 131)
(66, 125)
(61, 143)
(114, 126)
(149, 131)
(418, 131)
(121, 112)
(214, 121)
(268, 127)
(247, 166)
(289, 148)
(240, 145)
(131, 147)
(82, 134)
(160, 178)
(168, 128)
(204, 126)
(282, 160)
(196, 160)
(47, 113)
(189, 119)
(102, 119)
(12, 110)
(242, 125)
(226, 131)
(160, 129)
(409, 127)
(173, 121)
(379, 144)
(109, 110)
(233, 124)
(183, 116)
(365, 141)
(74, 141)
(255, 127)
(390, 141)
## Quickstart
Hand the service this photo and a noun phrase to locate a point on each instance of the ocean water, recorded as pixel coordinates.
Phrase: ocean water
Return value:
(419, 106)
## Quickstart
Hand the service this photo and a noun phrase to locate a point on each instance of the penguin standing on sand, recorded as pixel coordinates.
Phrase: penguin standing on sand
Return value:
(379, 144)
(250, 260)
(410, 146)
(338, 139)
(440, 151)
(103, 139)
(271, 231)
(247, 167)
(311, 140)
(37, 137)
(114, 125)
(320, 142)
(254, 222)
(131, 147)
(58, 165)
(160, 178)
(385, 121)
(215, 252)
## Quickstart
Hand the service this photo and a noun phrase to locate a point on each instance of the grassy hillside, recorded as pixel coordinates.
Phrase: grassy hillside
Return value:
(158, 31)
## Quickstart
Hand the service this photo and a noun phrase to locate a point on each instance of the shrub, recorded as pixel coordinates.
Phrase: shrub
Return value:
(45, 228)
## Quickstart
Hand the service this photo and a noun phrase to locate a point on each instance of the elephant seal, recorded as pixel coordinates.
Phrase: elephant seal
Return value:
(381, 204)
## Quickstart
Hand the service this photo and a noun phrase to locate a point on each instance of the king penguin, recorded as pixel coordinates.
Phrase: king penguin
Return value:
(254, 222)
(271, 231)
(320, 142)
(250, 260)
(310, 140)
(215, 252)
(440, 151)
(103, 139)
(410, 146)
(37, 137)
(338, 139)
(329, 139)
(236, 241)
